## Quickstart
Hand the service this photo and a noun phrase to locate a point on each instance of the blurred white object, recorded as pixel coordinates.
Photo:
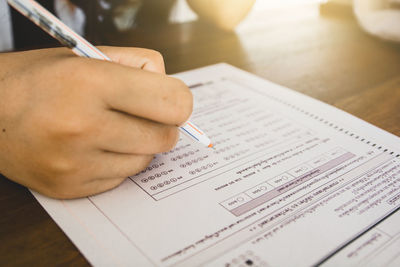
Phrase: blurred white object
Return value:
(379, 17)
(6, 40)
(71, 15)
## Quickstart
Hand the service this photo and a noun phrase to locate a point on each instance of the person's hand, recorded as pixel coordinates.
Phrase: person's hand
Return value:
(72, 127)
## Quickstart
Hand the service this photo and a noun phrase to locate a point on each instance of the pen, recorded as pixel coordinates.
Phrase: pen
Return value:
(66, 36)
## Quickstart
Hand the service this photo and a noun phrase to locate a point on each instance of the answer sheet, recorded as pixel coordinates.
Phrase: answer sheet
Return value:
(291, 181)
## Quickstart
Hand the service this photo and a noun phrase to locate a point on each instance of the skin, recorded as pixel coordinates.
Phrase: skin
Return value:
(72, 127)
(225, 14)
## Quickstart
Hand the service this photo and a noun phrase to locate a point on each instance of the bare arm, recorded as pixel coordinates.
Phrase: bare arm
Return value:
(225, 14)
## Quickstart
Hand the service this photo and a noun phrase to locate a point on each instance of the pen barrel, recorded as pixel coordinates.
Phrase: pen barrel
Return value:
(194, 132)
(56, 28)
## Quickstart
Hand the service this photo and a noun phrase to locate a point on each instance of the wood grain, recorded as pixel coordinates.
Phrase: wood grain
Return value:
(327, 58)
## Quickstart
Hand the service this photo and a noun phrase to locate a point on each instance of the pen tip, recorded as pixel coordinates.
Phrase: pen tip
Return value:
(210, 145)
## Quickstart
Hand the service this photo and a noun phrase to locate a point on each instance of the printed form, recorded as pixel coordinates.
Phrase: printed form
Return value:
(291, 181)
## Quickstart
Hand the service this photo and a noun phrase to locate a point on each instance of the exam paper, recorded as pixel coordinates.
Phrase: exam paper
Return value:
(291, 181)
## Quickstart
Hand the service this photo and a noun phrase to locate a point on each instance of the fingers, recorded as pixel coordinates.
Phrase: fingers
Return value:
(78, 191)
(145, 59)
(104, 171)
(116, 165)
(69, 110)
(112, 169)
(143, 94)
(128, 89)
(122, 133)
(154, 94)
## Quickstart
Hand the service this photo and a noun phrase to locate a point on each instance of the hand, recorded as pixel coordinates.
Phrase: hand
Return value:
(72, 127)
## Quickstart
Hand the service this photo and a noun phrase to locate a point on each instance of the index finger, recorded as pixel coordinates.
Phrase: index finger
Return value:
(141, 93)
(142, 58)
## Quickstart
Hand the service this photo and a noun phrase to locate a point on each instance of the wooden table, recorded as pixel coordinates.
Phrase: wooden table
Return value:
(327, 58)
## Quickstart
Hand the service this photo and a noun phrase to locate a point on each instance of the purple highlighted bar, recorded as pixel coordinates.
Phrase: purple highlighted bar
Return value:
(291, 184)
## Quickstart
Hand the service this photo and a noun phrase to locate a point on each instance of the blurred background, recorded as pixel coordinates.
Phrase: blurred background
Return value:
(182, 13)
(377, 17)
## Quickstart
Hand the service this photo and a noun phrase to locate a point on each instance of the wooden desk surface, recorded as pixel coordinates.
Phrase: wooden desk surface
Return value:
(330, 59)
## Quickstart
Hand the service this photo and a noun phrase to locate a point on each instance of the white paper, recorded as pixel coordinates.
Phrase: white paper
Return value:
(291, 182)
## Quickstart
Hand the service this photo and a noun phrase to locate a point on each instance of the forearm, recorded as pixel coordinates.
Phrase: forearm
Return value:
(225, 14)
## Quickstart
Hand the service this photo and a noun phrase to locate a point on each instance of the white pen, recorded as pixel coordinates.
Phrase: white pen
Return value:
(57, 29)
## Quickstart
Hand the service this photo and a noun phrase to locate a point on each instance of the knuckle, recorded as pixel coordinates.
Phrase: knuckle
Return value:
(69, 127)
(154, 56)
(59, 182)
(61, 131)
(59, 167)
(155, 61)
(74, 127)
